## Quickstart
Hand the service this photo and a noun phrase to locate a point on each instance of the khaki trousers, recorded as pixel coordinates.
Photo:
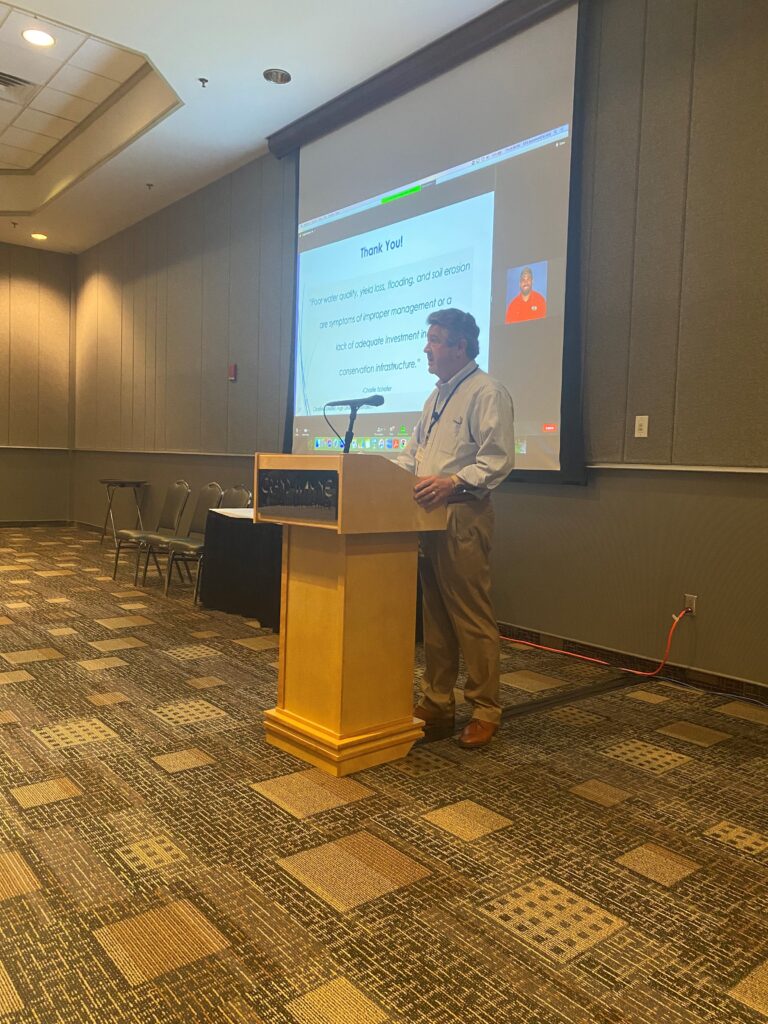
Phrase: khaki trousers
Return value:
(458, 615)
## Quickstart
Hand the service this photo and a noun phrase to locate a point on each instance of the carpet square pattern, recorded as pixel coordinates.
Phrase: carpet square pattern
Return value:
(600, 862)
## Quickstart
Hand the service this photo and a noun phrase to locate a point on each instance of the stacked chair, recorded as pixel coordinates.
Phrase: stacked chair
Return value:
(208, 498)
(192, 548)
(167, 527)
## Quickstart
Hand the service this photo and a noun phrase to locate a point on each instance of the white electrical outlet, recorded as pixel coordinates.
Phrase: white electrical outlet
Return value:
(690, 602)
(641, 426)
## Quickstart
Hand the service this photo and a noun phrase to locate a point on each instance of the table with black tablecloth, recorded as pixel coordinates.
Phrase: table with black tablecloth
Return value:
(242, 563)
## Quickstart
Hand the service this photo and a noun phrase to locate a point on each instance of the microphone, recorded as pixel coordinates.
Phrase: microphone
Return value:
(355, 403)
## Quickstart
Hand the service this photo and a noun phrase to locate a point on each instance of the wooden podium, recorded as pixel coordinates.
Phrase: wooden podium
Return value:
(348, 606)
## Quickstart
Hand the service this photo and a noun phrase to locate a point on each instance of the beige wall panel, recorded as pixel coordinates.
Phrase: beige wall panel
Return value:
(609, 291)
(289, 203)
(139, 275)
(34, 485)
(659, 228)
(5, 340)
(609, 563)
(25, 342)
(160, 265)
(54, 368)
(109, 359)
(152, 273)
(184, 229)
(722, 389)
(244, 340)
(269, 400)
(127, 340)
(179, 297)
(214, 390)
(86, 349)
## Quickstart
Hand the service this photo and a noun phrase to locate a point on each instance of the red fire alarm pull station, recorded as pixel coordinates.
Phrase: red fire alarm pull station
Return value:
(232, 372)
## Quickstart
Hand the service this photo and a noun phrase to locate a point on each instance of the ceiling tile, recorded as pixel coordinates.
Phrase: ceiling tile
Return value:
(66, 41)
(51, 101)
(46, 124)
(10, 156)
(83, 84)
(8, 111)
(39, 144)
(110, 61)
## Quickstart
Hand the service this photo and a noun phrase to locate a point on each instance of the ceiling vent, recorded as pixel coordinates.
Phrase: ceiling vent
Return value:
(15, 89)
(11, 81)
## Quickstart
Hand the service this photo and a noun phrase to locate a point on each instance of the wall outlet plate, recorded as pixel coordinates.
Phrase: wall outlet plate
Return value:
(641, 426)
(690, 602)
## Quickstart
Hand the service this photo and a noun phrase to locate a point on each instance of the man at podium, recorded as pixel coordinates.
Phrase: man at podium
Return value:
(462, 447)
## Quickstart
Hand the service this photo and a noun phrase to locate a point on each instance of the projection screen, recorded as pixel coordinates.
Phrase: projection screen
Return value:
(456, 194)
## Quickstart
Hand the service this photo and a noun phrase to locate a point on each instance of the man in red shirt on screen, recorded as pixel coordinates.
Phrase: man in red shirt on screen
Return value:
(528, 305)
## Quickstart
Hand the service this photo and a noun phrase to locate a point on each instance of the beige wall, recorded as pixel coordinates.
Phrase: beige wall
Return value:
(674, 225)
(164, 307)
(35, 299)
(159, 469)
(35, 383)
(34, 485)
(608, 564)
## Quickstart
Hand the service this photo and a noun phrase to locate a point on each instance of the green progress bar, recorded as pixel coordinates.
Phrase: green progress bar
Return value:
(399, 195)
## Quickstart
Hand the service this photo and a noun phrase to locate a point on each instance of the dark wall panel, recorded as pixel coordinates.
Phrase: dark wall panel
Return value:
(245, 297)
(23, 423)
(54, 341)
(614, 193)
(109, 358)
(270, 401)
(215, 316)
(86, 348)
(183, 344)
(289, 202)
(138, 243)
(722, 394)
(659, 227)
(5, 341)
(159, 260)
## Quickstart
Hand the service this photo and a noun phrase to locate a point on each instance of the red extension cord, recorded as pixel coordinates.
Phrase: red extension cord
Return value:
(599, 661)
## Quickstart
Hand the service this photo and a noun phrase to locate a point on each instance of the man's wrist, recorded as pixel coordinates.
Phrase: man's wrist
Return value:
(458, 483)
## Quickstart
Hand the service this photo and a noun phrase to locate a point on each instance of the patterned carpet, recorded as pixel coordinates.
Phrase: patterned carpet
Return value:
(601, 863)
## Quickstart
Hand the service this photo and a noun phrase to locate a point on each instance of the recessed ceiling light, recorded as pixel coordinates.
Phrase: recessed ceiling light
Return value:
(39, 236)
(277, 75)
(37, 37)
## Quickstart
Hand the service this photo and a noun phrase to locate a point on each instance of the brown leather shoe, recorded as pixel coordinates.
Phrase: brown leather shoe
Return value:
(477, 733)
(436, 727)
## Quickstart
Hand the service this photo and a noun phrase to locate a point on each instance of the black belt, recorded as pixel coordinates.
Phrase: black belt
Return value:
(454, 499)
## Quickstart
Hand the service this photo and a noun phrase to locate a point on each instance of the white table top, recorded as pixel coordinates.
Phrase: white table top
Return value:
(235, 513)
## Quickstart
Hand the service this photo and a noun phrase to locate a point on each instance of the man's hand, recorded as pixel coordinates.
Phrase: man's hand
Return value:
(431, 492)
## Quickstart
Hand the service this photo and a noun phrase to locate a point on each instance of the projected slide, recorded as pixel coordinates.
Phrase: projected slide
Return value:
(487, 236)
(363, 303)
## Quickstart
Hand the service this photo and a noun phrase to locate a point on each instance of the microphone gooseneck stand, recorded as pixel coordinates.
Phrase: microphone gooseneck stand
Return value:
(350, 429)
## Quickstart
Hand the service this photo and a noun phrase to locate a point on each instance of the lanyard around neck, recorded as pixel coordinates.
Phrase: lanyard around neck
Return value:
(435, 414)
